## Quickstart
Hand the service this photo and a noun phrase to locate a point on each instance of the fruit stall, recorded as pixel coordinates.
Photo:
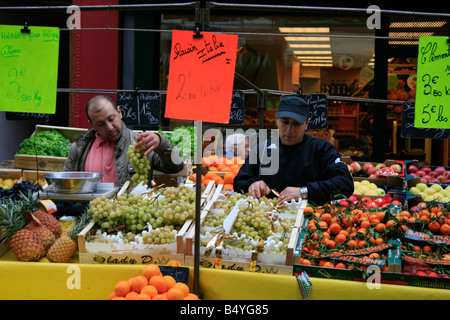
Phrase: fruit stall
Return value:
(389, 240)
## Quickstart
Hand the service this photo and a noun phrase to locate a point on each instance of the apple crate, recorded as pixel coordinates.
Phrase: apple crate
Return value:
(428, 174)
(414, 199)
(48, 163)
(239, 259)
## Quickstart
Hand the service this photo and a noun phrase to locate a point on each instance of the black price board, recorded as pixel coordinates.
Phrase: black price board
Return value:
(236, 111)
(140, 108)
(410, 131)
(318, 104)
(180, 274)
(27, 116)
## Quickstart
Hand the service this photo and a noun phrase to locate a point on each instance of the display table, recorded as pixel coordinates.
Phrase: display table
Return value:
(58, 281)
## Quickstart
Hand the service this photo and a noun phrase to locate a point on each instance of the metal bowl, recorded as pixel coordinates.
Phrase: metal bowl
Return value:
(73, 181)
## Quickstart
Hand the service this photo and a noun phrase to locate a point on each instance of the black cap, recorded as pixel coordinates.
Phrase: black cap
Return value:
(293, 107)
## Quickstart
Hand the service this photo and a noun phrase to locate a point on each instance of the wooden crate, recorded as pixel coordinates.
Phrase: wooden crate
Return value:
(286, 267)
(47, 163)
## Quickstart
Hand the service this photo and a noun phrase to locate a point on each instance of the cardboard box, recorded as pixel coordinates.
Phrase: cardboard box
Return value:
(393, 180)
(408, 176)
(47, 163)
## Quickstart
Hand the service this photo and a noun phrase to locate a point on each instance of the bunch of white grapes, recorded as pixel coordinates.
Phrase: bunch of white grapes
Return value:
(164, 235)
(140, 164)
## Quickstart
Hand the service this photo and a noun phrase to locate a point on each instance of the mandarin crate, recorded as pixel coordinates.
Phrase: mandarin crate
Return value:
(265, 263)
(48, 163)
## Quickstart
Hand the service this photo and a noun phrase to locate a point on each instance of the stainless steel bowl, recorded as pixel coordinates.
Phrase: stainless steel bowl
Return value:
(73, 181)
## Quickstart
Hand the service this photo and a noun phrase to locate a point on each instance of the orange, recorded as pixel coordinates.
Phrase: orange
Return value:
(118, 298)
(212, 168)
(138, 282)
(228, 178)
(170, 281)
(191, 296)
(175, 293)
(434, 226)
(111, 295)
(210, 175)
(160, 297)
(182, 286)
(173, 263)
(308, 209)
(143, 296)
(159, 283)
(219, 181)
(340, 238)
(149, 290)
(131, 295)
(221, 167)
(228, 186)
(380, 227)
(445, 229)
(335, 228)
(235, 171)
(122, 288)
(151, 270)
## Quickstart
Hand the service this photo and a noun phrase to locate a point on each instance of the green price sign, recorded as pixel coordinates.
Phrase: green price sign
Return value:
(433, 84)
(28, 69)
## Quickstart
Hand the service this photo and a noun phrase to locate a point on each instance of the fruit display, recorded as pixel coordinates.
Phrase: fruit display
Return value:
(428, 174)
(137, 219)
(431, 191)
(377, 170)
(14, 191)
(367, 188)
(260, 226)
(151, 284)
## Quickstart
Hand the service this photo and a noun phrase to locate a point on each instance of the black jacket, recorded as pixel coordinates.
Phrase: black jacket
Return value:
(313, 163)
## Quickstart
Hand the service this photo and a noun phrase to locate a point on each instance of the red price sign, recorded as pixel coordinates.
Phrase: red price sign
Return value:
(201, 75)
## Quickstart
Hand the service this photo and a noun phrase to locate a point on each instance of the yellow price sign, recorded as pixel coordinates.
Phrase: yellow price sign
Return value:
(28, 69)
(433, 83)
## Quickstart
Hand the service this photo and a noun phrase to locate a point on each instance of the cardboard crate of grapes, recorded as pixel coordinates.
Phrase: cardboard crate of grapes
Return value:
(243, 248)
(164, 215)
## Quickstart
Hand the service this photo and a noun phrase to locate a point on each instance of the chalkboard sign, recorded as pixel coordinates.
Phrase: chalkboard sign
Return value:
(180, 274)
(318, 105)
(236, 111)
(27, 116)
(410, 131)
(140, 108)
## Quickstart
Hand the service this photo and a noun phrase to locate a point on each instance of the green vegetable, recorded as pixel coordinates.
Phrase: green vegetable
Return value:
(46, 143)
(185, 139)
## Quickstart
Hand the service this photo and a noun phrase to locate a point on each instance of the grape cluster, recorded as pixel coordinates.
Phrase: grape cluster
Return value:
(140, 164)
(133, 214)
(164, 235)
(25, 187)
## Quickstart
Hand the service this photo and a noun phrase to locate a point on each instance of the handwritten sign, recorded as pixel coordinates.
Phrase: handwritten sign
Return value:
(237, 109)
(180, 274)
(27, 116)
(410, 131)
(201, 74)
(28, 69)
(318, 106)
(433, 83)
(141, 109)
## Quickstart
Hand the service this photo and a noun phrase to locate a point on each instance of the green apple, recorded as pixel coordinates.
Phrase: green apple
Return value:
(363, 189)
(371, 192)
(372, 186)
(429, 191)
(414, 190)
(436, 187)
(421, 186)
(380, 192)
(365, 182)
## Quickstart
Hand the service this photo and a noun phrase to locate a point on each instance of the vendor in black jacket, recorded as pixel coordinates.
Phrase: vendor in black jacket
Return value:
(307, 167)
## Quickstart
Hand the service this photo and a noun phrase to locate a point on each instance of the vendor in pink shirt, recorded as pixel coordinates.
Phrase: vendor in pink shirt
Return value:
(103, 148)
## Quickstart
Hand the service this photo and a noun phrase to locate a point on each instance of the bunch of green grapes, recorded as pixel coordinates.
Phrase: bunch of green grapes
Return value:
(252, 222)
(164, 235)
(140, 164)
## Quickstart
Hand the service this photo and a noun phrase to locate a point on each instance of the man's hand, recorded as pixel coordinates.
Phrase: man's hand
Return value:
(258, 189)
(288, 194)
(147, 141)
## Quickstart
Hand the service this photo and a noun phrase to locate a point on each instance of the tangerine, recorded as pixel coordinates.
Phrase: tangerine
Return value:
(143, 296)
(159, 283)
(150, 290)
(151, 270)
(335, 228)
(182, 286)
(228, 178)
(131, 295)
(191, 296)
(111, 295)
(175, 293)
(122, 288)
(170, 280)
(160, 296)
(138, 282)
(445, 229)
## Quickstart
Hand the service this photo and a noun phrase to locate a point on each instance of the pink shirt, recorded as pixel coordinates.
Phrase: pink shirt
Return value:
(100, 159)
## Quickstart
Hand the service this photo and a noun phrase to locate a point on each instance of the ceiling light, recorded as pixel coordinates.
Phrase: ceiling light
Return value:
(316, 61)
(312, 52)
(418, 24)
(309, 45)
(307, 39)
(409, 34)
(317, 64)
(305, 30)
(315, 57)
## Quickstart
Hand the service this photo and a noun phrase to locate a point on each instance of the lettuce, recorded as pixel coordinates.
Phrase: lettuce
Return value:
(45, 143)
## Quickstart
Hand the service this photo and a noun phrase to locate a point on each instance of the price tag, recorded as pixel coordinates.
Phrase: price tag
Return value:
(433, 84)
(28, 69)
(201, 75)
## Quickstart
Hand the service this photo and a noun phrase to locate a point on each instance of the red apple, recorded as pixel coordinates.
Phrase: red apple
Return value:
(366, 166)
(447, 181)
(372, 170)
(434, 174)
(412, 169)
(421, 173)
(350, 169)
(439, 170)
(446, 173)
(381, 165)
(424, 180)
(427, 170)
(355, 166)
(433, 180)
(374, 176)
(413, 174)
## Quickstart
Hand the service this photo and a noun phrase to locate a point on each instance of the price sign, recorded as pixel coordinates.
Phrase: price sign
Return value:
(141, 109)
(318, 106)
(433, 83)
(201, 75)
(28, 69)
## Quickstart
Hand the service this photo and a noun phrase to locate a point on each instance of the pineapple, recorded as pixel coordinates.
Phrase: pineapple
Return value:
(32, 207)
(43, 233)
(23, 242)
(65, 246)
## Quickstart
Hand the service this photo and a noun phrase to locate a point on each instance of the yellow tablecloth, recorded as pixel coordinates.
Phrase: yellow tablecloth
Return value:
(73, 281)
